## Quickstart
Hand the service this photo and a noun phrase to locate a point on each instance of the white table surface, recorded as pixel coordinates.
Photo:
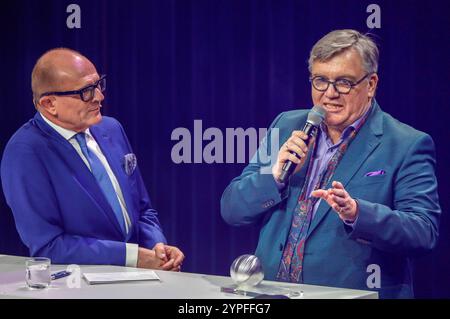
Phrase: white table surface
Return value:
(173, 285)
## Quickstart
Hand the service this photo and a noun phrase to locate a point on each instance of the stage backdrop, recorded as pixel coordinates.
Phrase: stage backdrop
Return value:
(228, 64)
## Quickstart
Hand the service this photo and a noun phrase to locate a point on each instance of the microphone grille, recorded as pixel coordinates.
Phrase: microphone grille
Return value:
(316, 115)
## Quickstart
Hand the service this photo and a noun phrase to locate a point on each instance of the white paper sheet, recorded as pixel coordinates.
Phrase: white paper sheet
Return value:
(113, 277)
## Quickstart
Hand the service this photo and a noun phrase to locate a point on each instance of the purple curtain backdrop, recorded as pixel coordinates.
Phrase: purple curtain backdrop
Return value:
(229, 63)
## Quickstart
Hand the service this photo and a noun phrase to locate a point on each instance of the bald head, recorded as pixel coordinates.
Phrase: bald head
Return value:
(58, 70)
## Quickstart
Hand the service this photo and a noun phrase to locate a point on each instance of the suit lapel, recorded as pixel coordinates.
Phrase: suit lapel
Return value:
(114, 158)
(79, 170)
(365, 142)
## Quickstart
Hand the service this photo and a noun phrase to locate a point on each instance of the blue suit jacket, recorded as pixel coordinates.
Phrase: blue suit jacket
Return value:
(58, 206)
(398, 211)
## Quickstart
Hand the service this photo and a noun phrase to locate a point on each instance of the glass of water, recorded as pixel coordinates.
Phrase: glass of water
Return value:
(38, 272)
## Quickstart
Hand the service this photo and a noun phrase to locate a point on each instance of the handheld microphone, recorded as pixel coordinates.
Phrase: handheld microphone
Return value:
(315, 117)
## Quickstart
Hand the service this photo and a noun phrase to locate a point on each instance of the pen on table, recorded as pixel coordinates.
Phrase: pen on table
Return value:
(60, 274)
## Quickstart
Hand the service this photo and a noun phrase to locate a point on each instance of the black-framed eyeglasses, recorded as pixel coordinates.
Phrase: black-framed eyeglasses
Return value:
(342, 86)
(87, 93)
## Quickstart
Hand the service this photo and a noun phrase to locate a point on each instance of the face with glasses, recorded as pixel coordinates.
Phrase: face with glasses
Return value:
(343, 88)
(76, 104)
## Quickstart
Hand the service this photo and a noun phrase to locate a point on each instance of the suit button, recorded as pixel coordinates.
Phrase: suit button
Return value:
(281, 247)
(268, 203)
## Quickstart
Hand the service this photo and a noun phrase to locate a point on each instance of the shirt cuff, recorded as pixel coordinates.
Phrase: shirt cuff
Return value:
(352, 224)
(131, 255)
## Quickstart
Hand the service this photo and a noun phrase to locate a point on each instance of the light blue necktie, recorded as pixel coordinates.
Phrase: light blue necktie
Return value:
(99, 171)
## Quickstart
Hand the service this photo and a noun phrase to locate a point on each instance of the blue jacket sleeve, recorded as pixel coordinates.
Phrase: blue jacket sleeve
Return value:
(150, 231)
(249, 196)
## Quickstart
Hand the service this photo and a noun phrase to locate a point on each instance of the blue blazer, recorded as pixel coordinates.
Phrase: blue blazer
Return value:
(58, 206)
(398, 211)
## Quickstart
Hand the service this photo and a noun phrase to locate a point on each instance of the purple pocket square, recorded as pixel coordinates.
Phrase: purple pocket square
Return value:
(376, 173)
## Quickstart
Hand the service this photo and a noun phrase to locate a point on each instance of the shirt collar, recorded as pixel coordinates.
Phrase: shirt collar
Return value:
(67, 134)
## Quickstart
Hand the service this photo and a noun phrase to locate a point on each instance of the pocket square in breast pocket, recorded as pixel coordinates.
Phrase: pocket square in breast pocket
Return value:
(129, 163)
(376, 173)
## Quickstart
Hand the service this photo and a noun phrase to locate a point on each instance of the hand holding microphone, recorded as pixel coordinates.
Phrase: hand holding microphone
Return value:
(295, 151)
(292, 155)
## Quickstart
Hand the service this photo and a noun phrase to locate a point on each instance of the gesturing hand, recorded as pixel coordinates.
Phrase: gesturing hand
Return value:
(341, 202)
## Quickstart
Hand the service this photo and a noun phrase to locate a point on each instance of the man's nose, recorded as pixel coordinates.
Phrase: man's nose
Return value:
(98, 95)
(331, 91)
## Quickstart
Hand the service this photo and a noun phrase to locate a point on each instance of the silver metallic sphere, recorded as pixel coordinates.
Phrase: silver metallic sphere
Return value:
(246, 271)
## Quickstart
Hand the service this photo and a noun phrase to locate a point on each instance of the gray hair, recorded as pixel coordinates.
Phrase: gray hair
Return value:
(338, 41)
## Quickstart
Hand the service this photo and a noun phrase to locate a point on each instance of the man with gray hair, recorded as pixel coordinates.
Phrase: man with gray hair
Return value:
(362, 200)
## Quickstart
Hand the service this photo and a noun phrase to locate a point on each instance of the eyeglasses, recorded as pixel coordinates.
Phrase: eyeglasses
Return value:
(86, 94)
(342, 86)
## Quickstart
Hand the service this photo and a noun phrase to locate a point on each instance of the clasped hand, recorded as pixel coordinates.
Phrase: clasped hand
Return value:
(161, 257)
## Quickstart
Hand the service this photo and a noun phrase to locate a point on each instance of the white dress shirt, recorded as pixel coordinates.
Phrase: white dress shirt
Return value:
(131, 249)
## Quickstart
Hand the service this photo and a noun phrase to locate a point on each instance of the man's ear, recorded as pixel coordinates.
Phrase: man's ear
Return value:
(47, 103)
(373, 82)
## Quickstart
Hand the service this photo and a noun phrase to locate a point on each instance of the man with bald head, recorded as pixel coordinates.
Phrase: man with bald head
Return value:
(71, 178)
